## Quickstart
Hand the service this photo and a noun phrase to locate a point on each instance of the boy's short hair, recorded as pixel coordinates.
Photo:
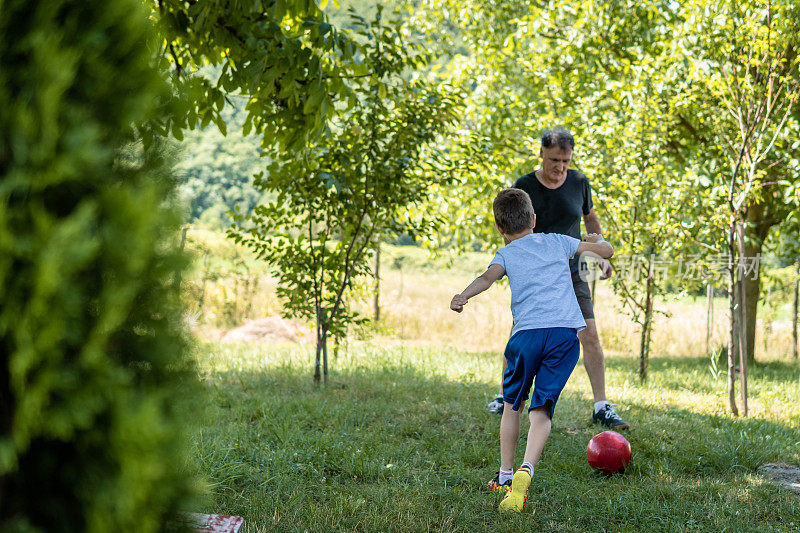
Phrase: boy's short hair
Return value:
(513, 211)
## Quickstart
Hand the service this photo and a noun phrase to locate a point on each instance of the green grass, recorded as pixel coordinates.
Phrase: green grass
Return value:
(400, 440)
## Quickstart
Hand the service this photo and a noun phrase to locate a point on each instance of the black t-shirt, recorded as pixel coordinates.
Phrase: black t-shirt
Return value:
(559, 210)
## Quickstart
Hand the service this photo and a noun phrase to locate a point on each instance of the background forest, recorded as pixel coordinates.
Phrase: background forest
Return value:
(662, 138)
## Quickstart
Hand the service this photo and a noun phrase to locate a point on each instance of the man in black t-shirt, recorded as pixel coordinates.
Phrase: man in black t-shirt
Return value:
(561, 197)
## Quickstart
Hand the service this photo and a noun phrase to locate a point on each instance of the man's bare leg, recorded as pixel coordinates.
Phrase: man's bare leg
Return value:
(496, 405)
(595, 364)
(593, 359)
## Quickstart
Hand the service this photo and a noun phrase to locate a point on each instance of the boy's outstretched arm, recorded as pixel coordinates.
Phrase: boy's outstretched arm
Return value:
(481, 283)
(595, 243)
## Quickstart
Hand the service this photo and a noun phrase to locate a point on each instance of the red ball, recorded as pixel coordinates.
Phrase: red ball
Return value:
(609, 452)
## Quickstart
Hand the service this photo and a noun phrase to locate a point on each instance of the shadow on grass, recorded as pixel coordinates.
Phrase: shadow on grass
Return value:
(393, 448)
(695, 374)
(771, 370)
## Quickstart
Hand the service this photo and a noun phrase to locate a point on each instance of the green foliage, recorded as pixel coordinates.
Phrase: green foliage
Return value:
(601, 66)
(362, 181)
(226, 284)
(216, 171)
(283, 56)
(91, 346)
(744, 74)
(744, 81)
(276, 70)
(339, 12)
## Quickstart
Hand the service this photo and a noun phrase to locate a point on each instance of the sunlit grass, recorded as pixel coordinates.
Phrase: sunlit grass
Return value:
(400, 440)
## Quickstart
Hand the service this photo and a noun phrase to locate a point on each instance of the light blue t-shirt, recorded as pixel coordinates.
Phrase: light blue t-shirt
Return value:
(537, 266)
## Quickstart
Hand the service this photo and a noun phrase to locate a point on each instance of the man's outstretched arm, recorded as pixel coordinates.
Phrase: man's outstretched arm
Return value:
(592, 222)
(595, 244)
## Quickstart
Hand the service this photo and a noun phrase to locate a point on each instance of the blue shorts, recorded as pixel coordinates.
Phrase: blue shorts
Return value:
(549, 355)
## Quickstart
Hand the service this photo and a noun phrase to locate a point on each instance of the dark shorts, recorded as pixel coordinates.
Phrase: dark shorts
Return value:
(549, 355)
(584, 295)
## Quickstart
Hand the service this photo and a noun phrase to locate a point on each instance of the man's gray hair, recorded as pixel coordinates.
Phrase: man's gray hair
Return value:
(558, 137)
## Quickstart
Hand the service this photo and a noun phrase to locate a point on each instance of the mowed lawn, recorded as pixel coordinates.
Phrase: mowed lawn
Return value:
(400, 440)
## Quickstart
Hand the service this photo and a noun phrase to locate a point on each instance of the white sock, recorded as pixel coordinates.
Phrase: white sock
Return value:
(599, 405)
(530, 467)
(505, 475)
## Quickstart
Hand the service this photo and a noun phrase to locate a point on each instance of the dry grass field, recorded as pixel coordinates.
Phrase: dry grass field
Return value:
(228, 286)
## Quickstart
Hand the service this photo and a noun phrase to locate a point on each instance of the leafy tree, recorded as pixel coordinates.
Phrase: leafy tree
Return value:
(282, 56)
(280, 60)
(532, 66)
(91, 345)
(745, 70)
(648, 205)
(355, 185)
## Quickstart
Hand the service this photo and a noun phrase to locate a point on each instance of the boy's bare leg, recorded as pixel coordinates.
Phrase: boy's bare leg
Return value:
(515, 499)
(537, 434)
(509, 435)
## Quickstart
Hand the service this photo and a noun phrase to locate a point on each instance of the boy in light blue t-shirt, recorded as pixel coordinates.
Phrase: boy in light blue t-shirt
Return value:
(544, 342)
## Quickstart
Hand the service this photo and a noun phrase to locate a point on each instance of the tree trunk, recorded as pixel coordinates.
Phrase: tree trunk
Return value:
(743, 339)
(709, 316)
(647, 324)
(325, 357)
(376, 302)
(317, 373)
(758, 218)
(743, 352)
(202, 301)
(732, 315)
(794, 314)
(176, 284)
(323, 315)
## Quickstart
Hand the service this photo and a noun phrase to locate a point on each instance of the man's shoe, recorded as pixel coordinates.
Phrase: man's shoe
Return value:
(609, 418)
(515, 499)
(494, 485)
(496, 406)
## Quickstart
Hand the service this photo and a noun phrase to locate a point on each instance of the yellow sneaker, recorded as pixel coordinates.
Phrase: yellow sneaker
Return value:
(515, 499)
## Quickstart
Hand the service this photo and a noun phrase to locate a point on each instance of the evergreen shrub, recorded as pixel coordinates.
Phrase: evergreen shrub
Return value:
(92, 351)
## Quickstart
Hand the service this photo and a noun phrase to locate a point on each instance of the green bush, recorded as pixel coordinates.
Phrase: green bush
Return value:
(92, 351)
